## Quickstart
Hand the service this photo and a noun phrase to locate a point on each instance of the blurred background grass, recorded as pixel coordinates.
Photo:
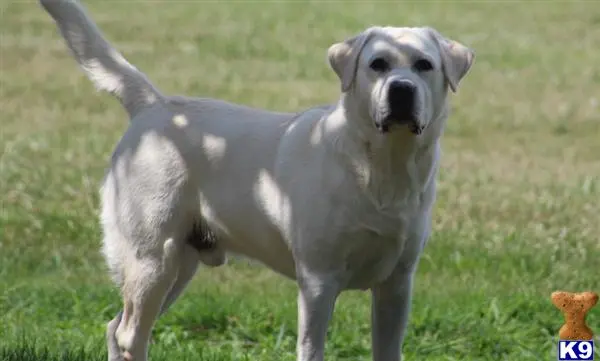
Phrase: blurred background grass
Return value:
(517, 214)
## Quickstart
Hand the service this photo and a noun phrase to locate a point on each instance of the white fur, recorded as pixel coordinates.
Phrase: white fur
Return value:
(321, 197)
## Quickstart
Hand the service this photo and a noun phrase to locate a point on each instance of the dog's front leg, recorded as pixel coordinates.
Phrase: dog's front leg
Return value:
(316, 301)
(390, 310)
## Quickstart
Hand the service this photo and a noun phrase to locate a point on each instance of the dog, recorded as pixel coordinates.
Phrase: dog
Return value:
(336, 197)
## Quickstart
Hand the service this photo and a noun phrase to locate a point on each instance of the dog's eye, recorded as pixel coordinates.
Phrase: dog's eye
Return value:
(423, 65)
(379, 65)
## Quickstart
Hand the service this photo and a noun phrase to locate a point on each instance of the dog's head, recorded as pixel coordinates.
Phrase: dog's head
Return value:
(399, 76)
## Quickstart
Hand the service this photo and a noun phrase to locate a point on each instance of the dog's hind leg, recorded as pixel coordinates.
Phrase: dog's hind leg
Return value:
(201, 246)
(146, 283)
(114, 352)
(188, 264)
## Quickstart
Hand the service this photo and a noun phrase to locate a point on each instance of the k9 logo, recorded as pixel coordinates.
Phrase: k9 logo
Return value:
(575, 350)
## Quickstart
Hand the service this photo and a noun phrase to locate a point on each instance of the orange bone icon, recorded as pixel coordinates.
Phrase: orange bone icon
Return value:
(574, 307)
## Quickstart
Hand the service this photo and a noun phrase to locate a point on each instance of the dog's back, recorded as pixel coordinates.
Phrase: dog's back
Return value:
(200, 155)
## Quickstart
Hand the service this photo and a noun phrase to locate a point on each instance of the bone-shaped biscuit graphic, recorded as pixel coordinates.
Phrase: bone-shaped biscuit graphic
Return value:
(574, 307)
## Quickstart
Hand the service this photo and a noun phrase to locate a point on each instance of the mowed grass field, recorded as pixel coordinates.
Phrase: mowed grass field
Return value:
(517, 217)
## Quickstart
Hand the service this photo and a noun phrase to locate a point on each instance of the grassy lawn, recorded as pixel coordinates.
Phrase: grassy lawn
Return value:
(517, 217)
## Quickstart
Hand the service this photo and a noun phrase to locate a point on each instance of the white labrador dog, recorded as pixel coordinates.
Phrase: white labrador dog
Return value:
(336, 197)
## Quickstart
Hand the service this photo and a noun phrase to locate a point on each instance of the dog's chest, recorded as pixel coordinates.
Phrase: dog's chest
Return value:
(370, 259)
(373, 248)
(388, 225)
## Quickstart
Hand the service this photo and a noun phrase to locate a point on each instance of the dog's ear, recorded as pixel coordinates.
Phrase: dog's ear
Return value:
(456, 58)
(343, 57)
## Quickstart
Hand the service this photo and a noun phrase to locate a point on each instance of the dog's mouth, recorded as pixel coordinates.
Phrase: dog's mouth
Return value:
(416, 129)
(385, 124)
(382, 127)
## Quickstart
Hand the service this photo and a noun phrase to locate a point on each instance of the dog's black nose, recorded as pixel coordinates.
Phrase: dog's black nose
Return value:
(401, 98)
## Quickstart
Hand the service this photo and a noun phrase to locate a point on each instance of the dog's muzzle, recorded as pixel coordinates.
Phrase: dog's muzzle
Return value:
(401, 99)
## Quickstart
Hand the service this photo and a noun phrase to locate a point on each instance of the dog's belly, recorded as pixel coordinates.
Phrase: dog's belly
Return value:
(244, 230)
(271, 252)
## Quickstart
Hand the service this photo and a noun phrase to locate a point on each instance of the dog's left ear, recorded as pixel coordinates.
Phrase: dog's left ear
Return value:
(343, 57)
(456, 58)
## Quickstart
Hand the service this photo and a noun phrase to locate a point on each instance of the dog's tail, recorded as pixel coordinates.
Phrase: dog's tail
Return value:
(105, 67)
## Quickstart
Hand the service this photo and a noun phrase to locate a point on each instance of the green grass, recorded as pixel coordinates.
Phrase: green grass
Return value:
(517, 217)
